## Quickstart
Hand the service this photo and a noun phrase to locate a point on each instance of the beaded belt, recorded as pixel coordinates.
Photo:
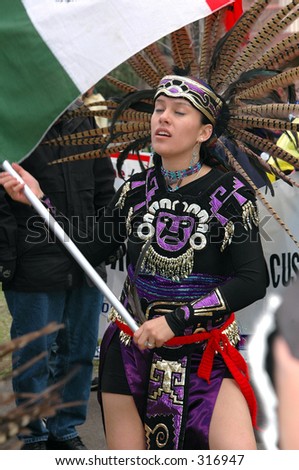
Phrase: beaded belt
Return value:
(220, 340)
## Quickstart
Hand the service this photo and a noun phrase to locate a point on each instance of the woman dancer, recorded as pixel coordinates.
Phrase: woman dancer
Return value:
(195, 258)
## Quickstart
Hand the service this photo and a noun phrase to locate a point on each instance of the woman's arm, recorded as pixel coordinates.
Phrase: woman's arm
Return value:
(247, 285)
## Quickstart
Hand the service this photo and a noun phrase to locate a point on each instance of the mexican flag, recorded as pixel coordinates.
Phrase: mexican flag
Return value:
(54, 50)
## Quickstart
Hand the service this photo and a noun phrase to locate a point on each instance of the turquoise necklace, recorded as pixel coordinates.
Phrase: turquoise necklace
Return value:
(172, 177)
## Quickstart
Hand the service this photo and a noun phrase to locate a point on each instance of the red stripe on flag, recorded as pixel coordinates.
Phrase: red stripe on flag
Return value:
(233, 14)
(217, 4)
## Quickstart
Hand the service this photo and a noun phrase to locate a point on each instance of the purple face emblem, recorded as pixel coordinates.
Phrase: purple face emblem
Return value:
(173, 231)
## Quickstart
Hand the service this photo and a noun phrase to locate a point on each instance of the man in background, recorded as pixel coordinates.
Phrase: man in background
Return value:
(42, 282)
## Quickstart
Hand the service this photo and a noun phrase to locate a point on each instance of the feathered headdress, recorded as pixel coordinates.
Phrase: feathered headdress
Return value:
(252, 68)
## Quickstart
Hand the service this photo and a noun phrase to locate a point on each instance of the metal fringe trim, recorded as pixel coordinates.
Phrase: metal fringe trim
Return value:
(249, 213)
(128, 221)
(232, 333)
(112, 316)
(171, 268)
(121, 202)
(229, 231)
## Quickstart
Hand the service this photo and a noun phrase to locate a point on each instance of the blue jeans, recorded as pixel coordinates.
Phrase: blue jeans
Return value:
(79, 311)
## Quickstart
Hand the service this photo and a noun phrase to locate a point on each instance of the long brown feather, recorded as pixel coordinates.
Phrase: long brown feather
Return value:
(70, 139)
(244, 122)
(282, 80)
(280, 55)
(273, 27)
(93, 154)
(272, 110)
(214, 30)
(113, 149)
(85, 111)
(145, 70)
(107, 113)
(207, 46)
(265, 145)
(99, 135)
(182, 50)
(122, 86)
(158, 59)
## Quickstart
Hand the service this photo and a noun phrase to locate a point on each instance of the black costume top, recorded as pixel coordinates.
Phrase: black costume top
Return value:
(201, 243)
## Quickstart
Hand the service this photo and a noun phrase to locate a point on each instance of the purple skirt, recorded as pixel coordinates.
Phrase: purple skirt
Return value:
(175, 404)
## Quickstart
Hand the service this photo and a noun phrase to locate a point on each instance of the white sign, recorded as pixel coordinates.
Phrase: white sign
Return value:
(281, 252)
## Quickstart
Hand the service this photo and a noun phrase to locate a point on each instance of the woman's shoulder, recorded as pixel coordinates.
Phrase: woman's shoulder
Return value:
(231, 194)
(232, 180)
(132, 188)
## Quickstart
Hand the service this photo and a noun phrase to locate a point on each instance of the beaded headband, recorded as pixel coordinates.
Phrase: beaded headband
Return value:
(200, 95)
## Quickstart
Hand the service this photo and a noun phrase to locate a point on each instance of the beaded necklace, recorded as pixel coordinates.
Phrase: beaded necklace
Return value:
(177, 176)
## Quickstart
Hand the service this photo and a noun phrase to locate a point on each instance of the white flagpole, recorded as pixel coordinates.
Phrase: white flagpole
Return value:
(75, 252)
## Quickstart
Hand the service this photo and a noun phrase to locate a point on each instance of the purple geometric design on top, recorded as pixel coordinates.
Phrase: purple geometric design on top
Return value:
(137, 184)
(216, 204)
(186, 310)
(150, 194)
(237, 185)
(211, 300)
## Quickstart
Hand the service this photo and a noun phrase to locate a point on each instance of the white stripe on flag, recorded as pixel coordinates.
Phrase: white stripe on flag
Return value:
(92, 37)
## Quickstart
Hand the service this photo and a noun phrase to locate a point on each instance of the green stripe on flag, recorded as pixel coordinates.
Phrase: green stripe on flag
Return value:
(34, 88)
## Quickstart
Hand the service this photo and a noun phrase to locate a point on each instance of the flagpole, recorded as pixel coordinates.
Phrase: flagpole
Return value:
(72, 248)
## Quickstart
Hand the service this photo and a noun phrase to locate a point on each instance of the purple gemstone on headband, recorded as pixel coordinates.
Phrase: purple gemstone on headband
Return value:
(174, 90)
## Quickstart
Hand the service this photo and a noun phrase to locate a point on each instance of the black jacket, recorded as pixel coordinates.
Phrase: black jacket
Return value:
(30, 258)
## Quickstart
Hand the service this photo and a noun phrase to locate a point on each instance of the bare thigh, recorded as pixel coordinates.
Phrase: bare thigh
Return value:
(287, 384)
(231, 426)
(123, 426)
